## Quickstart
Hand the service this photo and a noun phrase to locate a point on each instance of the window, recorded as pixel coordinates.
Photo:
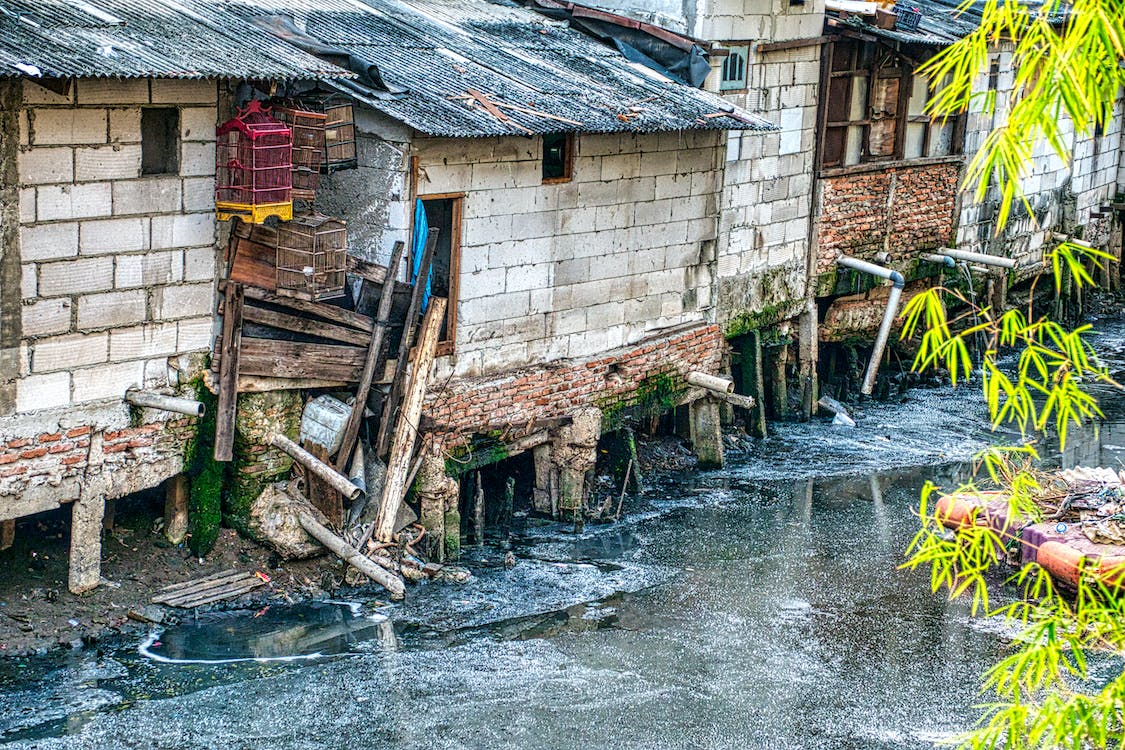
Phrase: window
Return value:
(160, 140)
(558, 157)
(875, 109)
(443, 214)
(734, 68)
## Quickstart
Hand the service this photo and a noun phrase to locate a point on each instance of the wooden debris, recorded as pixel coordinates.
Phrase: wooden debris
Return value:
(255, 313)
(323, 470)
(406, 425)
(228, 373)
(353, 557)
(7, 533)
(323, 495)
(390, 406)
(371, 362)
(176, 509)
(208, 590)
(295, 359)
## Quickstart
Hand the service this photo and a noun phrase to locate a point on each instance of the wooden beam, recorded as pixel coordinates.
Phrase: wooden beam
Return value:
(316, 309)
(406, 426)
(176, 509)
(811, 41)
(228, 372)
(295, 359)
(381, 445)
(370, 362)
(289, 322)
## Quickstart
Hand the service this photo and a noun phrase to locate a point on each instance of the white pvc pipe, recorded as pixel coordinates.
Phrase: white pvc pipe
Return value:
(150, 400)
(982, 258)
(945, 260)
(888, 315)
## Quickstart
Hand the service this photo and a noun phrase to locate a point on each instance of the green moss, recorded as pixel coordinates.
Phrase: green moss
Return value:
(749, 321)
(654, 396)
(206, 476)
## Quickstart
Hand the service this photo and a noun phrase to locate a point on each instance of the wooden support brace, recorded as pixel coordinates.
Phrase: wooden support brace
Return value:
(228, 373)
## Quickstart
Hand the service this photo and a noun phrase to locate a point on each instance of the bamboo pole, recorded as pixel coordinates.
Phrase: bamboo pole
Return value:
(352, 556)
(406, 426)
(339, 482)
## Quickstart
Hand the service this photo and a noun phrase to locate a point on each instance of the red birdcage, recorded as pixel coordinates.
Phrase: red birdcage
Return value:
(308, 148)
(254, 167)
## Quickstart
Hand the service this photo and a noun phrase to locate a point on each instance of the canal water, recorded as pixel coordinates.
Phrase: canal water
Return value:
(760, 606)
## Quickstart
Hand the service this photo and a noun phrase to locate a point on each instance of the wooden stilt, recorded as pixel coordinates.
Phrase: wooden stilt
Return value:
(176, 508)
(7, 533)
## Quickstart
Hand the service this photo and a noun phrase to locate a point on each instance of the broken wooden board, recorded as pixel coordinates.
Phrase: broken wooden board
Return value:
(293, 359)
(208, 590)
(228, 372)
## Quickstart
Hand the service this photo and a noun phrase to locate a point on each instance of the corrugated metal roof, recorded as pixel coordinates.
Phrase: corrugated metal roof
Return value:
(943, 22)
(439, 49)
(141, 39)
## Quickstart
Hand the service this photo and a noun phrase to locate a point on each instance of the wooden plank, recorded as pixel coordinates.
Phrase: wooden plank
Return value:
(7, 533)
(265, 384)
(382, 441)
(210, 597)
(370, 362)
(406, 426)
(176, 509)
(316, 309)
(294, 359)
(228, 373)
(372, 272)
(228, 574)
(297, 324)
(320, 493)
(793, 43)
(254, 265)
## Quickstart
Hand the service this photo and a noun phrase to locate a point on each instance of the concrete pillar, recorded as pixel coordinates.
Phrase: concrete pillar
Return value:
(438, 495)
(545, 494)
(707, 432)
(86, 543)
(575, 453)
(176, 508)
(752, 381)
(807, 355)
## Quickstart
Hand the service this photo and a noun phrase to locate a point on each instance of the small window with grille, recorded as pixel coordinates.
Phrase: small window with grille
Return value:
(734, 67)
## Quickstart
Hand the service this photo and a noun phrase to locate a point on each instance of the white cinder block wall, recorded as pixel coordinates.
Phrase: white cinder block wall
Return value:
(571, 270)
(1062, 195)
(117, 268)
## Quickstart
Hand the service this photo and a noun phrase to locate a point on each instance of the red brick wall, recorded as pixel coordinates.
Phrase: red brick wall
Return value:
(854, 217)
(56, 457)
(478, 405)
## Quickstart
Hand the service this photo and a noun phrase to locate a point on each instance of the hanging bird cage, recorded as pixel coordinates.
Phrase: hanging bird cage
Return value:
(339, 136)
(254, 167)
(308, 148)
(312, 257)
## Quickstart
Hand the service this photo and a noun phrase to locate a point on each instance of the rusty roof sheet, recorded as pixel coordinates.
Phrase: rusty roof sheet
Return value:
(439, 50)
(943, 22)
(142, 39)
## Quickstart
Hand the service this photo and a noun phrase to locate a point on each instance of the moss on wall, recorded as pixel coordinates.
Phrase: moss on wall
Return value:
(206, 476)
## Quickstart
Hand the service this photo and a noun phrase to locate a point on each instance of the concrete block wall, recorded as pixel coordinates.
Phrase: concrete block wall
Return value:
(1061, 195)
(570, 270)
(768, 186)
(117, 268)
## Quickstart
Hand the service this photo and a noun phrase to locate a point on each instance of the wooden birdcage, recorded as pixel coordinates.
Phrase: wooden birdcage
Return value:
(339, 136)
(308, 148)
(312, 257)
(253, 167)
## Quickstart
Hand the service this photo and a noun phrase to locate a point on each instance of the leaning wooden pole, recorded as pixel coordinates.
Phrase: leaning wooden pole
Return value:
(351, 431)
(338, 481)
(406, 426)
(382, 444)
(352, 556)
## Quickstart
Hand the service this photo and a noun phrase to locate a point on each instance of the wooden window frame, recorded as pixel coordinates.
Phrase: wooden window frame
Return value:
(448, 346)
(905, 73)
(568, 165)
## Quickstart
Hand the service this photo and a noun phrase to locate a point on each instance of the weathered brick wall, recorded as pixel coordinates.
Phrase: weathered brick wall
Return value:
(43, 469)
(569, 270)
(118, 268)
(903, 209)
(477, 405)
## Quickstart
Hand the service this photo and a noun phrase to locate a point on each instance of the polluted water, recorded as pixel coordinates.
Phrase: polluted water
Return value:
(756, 606)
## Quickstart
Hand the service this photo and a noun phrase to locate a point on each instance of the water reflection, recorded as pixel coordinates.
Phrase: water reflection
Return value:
(306, 631)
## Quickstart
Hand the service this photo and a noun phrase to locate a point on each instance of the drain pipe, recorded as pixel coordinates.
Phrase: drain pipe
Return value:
(982, 258)
(945, 260)
(888, 316)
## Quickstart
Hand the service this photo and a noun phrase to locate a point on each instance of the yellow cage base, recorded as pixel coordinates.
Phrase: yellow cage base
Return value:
(253, 214)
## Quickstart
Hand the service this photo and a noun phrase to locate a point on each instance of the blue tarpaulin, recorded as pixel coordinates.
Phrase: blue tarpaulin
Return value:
(421, 233)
